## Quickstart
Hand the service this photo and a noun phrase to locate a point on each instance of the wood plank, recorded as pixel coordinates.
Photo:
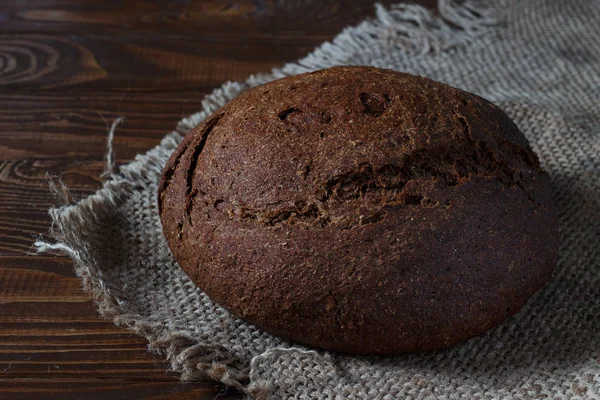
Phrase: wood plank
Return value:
(29, 284)
(25, 198)
(66, 136)
(62, 266)
(135, 63)
(158, 54)
(48, 125)
(44, 134)
(100, 389)
(22, 285)
(50, 328)
(225, 17)
(38, 339)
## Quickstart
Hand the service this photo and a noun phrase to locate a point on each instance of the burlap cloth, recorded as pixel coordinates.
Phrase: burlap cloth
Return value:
(540, 61)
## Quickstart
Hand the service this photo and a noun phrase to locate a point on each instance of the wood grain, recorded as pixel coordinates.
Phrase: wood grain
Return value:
(67, 69)
(48, 134)
(224, 17)
(132, 63)
(46, 125)
(100, 389)
(25, 199)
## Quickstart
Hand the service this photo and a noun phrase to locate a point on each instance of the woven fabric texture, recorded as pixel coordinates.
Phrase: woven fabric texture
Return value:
(540, 61)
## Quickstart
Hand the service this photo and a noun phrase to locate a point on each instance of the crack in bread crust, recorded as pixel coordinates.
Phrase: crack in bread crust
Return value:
(448, 167)
(192, 191)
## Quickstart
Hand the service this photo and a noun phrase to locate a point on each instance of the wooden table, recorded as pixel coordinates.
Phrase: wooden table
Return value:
(68, 70)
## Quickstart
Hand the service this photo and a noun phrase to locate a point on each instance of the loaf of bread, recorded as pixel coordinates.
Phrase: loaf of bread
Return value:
(361, 210)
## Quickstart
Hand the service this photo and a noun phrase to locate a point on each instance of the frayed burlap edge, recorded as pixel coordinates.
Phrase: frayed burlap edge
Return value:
(409, 28)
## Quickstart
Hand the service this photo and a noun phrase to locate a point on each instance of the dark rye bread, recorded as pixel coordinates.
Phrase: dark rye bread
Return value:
(361, 210)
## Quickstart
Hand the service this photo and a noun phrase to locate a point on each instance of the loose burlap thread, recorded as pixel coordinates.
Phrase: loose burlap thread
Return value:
(540, 61)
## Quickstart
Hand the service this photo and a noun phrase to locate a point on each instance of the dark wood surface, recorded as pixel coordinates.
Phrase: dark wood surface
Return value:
(67, 69)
